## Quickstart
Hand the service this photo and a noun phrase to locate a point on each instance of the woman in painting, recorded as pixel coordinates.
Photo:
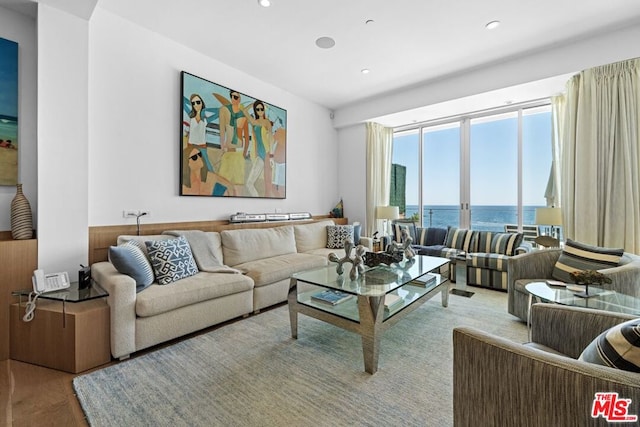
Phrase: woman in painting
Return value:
(234, 136)
(197, 180)
(197, 135)
(261, 145)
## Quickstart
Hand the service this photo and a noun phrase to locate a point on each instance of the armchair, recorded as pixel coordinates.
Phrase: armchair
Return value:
(499, 382)
(538, 266)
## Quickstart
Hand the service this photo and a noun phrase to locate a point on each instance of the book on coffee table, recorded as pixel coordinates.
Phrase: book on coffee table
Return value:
(425, 280)
(391, 301)
(330, 296)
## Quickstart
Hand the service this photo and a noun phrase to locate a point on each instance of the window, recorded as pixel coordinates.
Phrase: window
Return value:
(480, 171)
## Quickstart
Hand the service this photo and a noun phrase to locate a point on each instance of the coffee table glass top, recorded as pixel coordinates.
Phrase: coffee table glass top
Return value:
(602, 300)
(376, 281)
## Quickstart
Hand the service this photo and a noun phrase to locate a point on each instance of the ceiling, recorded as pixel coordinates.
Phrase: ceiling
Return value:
(409, 42)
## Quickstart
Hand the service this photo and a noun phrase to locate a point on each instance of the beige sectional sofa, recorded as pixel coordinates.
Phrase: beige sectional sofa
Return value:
(264, 258)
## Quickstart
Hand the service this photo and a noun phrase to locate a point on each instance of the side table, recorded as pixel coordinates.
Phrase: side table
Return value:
(70, 330)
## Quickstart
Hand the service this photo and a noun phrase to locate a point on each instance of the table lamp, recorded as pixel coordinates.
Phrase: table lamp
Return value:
(386, 213)
(550, 216)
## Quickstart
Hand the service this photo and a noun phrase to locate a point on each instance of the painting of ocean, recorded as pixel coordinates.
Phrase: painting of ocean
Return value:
(489, 218)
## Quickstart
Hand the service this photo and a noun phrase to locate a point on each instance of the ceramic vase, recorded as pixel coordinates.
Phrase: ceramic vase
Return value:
(21, 219)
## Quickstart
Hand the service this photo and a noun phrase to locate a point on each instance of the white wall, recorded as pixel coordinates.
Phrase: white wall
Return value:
(134, 130)
(62, 140)
(352, 185)
(21, 29)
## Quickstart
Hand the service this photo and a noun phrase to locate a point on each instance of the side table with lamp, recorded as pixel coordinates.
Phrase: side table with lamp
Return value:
(552, 219)
(387, 214)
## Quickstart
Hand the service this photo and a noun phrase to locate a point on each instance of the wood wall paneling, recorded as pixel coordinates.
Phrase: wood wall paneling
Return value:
(18, 259)
(102, 237)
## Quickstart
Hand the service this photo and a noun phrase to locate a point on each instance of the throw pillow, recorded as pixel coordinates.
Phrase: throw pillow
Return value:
(505, 243)
(171, 259)
(336, 235)
(130, 260)
(579, 257)
(617, 347)
(458, 238)
(357, 228)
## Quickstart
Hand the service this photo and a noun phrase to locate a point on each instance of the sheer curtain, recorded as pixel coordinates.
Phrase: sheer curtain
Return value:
(379, 151)
(554, 189)
(600, 180)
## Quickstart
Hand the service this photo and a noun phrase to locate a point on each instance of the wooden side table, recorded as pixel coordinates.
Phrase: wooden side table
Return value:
(64, 335)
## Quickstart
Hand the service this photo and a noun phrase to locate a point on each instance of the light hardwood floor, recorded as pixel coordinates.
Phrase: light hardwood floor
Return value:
(31, 395)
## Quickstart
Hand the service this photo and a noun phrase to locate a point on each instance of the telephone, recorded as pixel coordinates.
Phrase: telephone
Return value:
(49, 282)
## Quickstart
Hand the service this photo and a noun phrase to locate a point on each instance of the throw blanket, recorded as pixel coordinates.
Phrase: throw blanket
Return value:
(203, 251)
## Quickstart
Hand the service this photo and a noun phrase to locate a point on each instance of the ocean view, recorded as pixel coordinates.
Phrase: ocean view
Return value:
(489, 218)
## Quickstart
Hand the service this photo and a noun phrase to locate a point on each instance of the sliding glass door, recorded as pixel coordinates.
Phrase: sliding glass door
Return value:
(479, 171)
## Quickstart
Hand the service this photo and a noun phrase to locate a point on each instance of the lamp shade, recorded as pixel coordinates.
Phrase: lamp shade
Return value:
(548, 216)
(387, 212)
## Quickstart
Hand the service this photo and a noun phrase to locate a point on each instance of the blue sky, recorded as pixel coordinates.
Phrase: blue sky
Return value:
(493, 162)
(8, 78)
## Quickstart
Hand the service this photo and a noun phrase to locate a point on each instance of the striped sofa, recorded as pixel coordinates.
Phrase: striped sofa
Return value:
(486, 252)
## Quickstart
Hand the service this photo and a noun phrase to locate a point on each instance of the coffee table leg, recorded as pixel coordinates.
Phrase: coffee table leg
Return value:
(292, 300)
(445, 294)
(371, 310)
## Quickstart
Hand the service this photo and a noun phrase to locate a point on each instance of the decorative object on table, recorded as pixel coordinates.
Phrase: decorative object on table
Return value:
(387, 213)
(550, 217)
(245, 157)
(403, 247)
(586, 278)
(84, 277)
(337, 211)
(357, 261)
(372, 259)
(9, 144)
(21, 219)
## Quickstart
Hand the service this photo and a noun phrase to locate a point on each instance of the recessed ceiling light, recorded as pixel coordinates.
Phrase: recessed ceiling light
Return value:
(491, 25)
(365, 71)
(264, 3)
(325, 42)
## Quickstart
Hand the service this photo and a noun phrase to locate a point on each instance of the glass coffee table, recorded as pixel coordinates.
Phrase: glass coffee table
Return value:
(364, 313)
(566, 295)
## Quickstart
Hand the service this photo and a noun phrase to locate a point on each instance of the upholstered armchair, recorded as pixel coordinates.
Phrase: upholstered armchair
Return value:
(536, 266)
(499, 382)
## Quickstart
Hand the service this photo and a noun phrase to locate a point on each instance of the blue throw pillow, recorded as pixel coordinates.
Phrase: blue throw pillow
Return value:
(130, 260)
(356, 233)
(171, 259)
(578, 256)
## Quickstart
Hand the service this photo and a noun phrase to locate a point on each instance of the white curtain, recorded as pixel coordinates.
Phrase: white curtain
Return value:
(600, 182)
(554, 189)
(379, 151)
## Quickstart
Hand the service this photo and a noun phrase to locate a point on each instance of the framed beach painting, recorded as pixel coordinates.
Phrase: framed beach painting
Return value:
(231, 144)
(8, 112)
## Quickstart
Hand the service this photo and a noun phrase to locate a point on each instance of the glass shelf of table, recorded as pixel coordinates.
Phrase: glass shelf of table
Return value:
(409, 292)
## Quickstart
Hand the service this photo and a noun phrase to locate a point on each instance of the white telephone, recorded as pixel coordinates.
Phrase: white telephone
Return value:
(49, 282)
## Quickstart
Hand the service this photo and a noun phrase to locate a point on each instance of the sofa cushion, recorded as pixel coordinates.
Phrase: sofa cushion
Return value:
(130, 260)
(430, 236)
(579, 257)
(491, 261)
(240, 246)
(191, 290)
(459, 238)
(505, 243)
(398, 225)
(171, 260)
(336, 235)
(311, 236)
(271, 270)
(617, 347)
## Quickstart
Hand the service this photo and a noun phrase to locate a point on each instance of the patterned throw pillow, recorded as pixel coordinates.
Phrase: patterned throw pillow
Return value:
(130, 260)
(579, 257)
(171, 259)
(617, 347)
(336, 235)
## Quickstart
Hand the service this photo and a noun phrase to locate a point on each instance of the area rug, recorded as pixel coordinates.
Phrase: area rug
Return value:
(252, 373)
